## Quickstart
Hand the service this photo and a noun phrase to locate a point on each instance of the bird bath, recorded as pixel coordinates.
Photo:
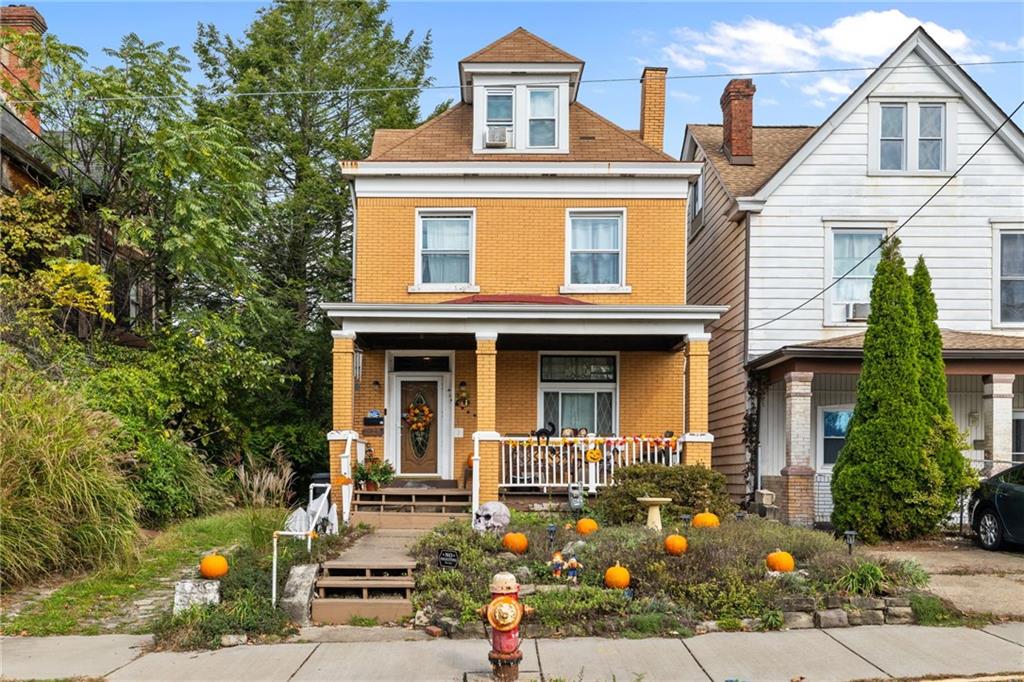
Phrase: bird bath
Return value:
(654, 505)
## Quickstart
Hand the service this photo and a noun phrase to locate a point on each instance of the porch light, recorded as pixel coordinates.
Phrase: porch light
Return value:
(851, 537)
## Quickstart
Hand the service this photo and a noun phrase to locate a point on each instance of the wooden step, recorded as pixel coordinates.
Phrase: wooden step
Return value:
(407, 519)
(376, 564)
(333, 611)
(389, 582)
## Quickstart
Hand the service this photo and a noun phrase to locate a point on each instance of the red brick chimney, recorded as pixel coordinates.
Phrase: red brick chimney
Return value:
(652, 106)
(738, 121)
(21, 19)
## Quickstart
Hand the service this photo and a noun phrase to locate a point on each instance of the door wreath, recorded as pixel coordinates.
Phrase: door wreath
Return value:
(418, 417)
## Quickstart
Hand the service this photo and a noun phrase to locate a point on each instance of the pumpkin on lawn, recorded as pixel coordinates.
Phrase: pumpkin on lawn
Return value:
(515, 543)
(706, 519)
(213, 566)
(617, 577)
(780, 561)
(586, 526)
(676, 545)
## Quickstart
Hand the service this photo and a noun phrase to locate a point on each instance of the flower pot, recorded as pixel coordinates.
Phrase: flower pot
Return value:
(371, 486)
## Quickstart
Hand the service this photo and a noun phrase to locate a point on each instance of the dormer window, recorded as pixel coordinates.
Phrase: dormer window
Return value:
(501, 111)
(911, 136)
(543, 117)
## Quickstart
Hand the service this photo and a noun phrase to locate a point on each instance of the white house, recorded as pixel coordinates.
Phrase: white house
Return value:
(781, 212)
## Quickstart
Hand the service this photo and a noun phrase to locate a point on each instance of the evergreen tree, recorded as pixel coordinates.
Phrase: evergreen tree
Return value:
(884, 485)
(944, 442)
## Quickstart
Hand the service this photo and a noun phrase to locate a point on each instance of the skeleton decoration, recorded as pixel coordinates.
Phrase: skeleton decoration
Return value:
(491, 517)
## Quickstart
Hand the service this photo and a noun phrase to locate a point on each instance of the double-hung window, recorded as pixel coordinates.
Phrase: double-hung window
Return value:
(543, 124)
(579, 392)
(1010, 301)
(893, 141)
(445, 248)
(696, 200)
(1018, 436)
(930, 134)
(833, 424)
(501, 109)
(596, 249)
(849, 248)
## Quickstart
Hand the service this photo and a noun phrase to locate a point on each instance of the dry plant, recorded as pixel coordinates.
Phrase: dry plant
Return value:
(265, 492)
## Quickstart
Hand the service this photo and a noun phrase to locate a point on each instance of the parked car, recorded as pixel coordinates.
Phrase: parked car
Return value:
(997, 509)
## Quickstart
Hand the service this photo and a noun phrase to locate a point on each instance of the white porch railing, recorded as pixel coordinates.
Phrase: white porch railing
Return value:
(525, 463)
(354, 446)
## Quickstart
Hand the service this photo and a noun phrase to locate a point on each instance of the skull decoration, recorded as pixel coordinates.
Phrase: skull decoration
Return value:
(491, 517)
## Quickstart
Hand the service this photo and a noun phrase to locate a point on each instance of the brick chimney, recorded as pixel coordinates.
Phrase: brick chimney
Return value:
(21, 19)
(738, 121)
(652, 106)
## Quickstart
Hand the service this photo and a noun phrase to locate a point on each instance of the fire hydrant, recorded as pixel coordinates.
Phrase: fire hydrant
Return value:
(504, 614)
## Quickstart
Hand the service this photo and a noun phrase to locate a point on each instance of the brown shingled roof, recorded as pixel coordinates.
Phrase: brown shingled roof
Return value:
(449, 137)
(773, 146)
(951, 340)
(521, 46)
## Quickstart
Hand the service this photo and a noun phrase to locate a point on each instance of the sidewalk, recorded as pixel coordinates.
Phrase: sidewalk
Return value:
(879, 652)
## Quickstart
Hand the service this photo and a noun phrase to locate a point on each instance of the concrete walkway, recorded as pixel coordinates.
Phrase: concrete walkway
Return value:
(842, 654)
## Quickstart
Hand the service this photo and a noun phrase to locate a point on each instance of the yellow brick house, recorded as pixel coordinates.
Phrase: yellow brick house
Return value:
(519, 263)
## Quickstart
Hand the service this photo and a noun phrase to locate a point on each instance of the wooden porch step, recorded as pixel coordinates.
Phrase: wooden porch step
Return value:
(388, 582)
(424, 493)
(339, 611)
(368, 566)
(404, 519)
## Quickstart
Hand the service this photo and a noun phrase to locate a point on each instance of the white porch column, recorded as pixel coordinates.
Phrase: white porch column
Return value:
(997, 409)
(798, 474)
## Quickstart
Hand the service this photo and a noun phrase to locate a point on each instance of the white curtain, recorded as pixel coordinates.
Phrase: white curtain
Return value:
(847, 250)
(445, 250)
(595, 250)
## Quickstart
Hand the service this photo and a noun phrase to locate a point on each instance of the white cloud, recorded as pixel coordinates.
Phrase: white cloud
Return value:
(827, 85)
(683, 96)
(679, 57)
(751, 45)
(768, 101)
(868, 37)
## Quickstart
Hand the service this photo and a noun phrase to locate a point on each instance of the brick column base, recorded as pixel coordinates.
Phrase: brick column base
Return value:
(696, 453)
(488, 471)
(797, 504)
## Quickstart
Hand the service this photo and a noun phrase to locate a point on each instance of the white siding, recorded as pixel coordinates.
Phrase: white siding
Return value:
(954, 233)
(772, 430)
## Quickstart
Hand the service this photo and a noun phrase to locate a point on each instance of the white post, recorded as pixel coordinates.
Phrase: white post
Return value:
(476, 474)
(273, 576)
(346, 469)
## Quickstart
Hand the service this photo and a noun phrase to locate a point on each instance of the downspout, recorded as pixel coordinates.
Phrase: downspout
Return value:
(352, 269)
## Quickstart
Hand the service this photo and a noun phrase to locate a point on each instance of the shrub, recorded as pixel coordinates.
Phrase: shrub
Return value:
(884, 484)
(576, 606)
(301, 441)
(65, 503)
(930, 610)
(864, 577)
(692, 489)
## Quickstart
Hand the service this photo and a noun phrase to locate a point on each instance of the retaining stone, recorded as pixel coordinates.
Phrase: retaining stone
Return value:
(897, 601)
(797, 620)
(831, 618)
(233, 640)
(189, 593)
(297, 595)
(866, 617)
(899, 615)
(867, 603)
(833, 601)
(798, 604)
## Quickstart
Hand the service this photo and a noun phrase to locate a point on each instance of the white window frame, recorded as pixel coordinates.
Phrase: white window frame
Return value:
(520, 84)
(579, 387)
(819, 462)
(941, 138)
(911, 130)
(695, 207)
(530, 117)
(832, 226)
(905, 138)
(616, 288)
(999, 228)
(450, 287)
(511, 125)
(1016, 457)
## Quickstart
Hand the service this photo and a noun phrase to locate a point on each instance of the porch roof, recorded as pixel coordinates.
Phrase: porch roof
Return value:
(522, 321)
(957, 346)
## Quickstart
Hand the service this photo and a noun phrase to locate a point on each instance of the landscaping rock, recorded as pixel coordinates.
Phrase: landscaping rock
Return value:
(899, 615)
(433, 631)
(298, 593)
(831, 618)
(233, 640)
(867, 603)
(797, 620)
(706, 626)
(902, 602)
(833, 601)
(189, 593)
(450, 626)
(423, 617)
(866, 617)
(552, 588)
(527, 589)
(523, 574)
(507, 556)
(798, 604)
(572, 547)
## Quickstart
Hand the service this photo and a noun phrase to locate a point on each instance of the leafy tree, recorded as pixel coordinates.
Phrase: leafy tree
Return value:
(944, 442)
(884, 484)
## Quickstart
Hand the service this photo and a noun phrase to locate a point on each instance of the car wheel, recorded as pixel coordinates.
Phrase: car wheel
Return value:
(990, 530)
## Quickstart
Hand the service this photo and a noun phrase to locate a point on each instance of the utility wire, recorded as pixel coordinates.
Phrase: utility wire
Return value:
(421, 88)
(888, 237)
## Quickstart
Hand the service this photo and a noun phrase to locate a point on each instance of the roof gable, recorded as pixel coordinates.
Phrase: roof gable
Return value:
(521, 46)
(933, 55)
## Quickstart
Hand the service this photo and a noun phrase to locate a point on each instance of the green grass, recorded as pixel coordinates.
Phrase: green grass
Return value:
(75, 607)
(364, 621)
(930, 610)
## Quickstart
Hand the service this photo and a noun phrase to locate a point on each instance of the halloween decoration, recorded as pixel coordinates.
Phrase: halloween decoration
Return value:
(676, 545)
(492, 517)
(706, 519)
(213, 567)
(544, 433)
(504, 614)
(780, 561)
(616, 577)
(517, 543)
(572, 570)
(576, 498)
(557, 563)
(586, 526)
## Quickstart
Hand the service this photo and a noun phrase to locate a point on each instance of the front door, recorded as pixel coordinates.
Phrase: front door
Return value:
(419, 426)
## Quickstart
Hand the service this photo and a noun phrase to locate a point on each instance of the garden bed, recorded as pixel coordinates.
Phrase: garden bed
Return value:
(720, 583)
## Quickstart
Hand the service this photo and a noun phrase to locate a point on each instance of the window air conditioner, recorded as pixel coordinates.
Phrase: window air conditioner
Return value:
(857, 312)
(497, 136)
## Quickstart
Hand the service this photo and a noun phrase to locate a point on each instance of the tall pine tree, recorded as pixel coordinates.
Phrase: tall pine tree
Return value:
(944, 442)
(884, 484)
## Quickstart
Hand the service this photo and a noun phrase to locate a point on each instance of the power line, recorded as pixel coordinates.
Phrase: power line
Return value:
(421, 88)
(887, 237)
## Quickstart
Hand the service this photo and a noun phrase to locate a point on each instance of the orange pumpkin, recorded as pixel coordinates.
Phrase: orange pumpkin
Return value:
(780, 561)
(617, 577)
(213, 566)
(586, 526)
(706, 519)
(676, 545)
(515, 543)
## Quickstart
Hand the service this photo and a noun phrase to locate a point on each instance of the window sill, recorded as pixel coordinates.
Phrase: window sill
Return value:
(595, 289)
(443, 289)
(910, 173)
(1009, 326)
(840, 323)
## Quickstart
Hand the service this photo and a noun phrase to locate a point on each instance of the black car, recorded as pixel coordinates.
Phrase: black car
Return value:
(997, 509)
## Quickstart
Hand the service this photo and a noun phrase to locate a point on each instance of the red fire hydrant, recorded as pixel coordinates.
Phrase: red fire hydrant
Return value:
(504, 614)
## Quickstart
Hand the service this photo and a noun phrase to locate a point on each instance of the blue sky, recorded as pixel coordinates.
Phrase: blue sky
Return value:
(617, 39)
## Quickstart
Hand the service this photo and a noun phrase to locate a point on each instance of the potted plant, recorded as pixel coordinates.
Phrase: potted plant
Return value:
(374, 474)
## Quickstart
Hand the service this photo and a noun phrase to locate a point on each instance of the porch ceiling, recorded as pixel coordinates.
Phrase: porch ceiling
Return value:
(509, 342)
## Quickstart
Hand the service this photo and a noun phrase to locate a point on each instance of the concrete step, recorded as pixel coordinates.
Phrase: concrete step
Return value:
(335, 611)
(407, 519)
